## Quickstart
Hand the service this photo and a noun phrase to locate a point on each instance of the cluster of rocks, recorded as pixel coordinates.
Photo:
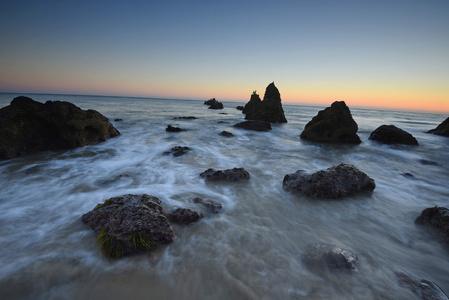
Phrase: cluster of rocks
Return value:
(268, 110)
(178, 151)
(214, 104)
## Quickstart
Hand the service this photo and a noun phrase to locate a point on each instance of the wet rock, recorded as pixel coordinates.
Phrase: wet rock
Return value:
(129, 224)
(33, 170)
(28, 126)
(185, 216)
(116, 179)
(118, 120)
(185, 118)
(269, 110)
(174, 129)
(240, 107)
(429, 162)
(234, 174)
(335, 182)
(254, 125)
(408, 175)
(214, 104)
(332, 125)
(442, 129)
(390, 134)
(213, 206)
(226, 134)
(330, 256)
(424, 289)
(436, 218)
(178, 151)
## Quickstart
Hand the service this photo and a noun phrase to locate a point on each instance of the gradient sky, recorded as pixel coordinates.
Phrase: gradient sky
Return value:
(368, 53)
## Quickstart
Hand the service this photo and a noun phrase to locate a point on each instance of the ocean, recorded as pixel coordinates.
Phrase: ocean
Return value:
(254, 248)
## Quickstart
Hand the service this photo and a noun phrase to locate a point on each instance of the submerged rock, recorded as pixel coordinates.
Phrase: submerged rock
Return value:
(185, 216)
(234, 174)
(174, 129)
(240, 107)
(28, 126)
(214, 104)
(390, 134)
(330, 256)
(213, 206)
(178, 151)
(185, 118)
(436, 218)
(424, 289)
(442, 129)
(129, 224)
(335, 182)
(254, 125)
(332, 125)
(269, 110)
(226, 133)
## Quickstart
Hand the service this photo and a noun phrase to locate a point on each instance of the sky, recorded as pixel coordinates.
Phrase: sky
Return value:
(390, 54)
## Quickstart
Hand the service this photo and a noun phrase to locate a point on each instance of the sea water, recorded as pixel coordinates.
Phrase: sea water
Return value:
(253, 249)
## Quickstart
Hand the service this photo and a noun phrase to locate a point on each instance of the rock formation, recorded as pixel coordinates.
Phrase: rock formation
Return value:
(436, 218)
(390, 134)
(28, 126)
(129, 224)
(332, 125)
(226, 133)
(213, 104)
(330, 256)
(185, 216)
(442, 129)
(254, 125)
(178, 151)
(269, 110)
(213, 206)
(171, 128)
(225, 175)
(335, 182)
(424, 289)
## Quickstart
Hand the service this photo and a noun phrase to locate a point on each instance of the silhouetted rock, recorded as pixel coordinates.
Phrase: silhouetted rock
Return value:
(226, 175)
(335, 182)
(442, 129)
(254, 125)
(28, 126)
(330, 257)
(424, 289)
(118, 120)
(390, 134)
(178, 151)
(269, 110)
(213, 104)
(185, 118)
(130, 224)
(436, 218)
(185, 216)
(213, 206)
(240, 107)
(174, 129)
(226, 134)
(332, 125)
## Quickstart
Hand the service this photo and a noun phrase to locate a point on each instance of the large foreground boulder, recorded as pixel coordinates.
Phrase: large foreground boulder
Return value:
(130, 224)
(335, 182)
(28, 126)
(332, 125)
(329, 256)
(234, 174)
(390, 134)
(269, 110)
(436, 218)
(442, 129)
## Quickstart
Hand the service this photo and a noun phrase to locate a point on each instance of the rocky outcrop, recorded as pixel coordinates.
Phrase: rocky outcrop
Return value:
(226, 133)
(436, 218)
(130, 224)
(235, 174)
(174, 129)
(390, 134)
(185, 216)
(178, 151)
(424, 289)
(214, 104)
(332, 125)
(442, 129)
(330, 257)
(28, 126)
(213, 206)
(335, 182)
(254, 125)
(269, 110)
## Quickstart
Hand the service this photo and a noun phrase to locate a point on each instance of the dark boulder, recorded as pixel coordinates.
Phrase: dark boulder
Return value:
(226, 134)
(436, 218)
(184, 216)
(424, 289)
(129, 224)
(335, 182)
(240, 107)
(174, 129)
(185, 118)
(214, 104)
(332, 125)
(28, 126)
(390, 134)
(269, 110)
(254, 125)
(118, 120)
(225, 175)
(330, 257)
(442, 129)
(213, 206)
(178, 151)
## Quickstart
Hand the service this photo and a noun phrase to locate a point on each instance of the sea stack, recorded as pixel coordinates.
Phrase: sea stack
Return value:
(269, 110)
(332, 125)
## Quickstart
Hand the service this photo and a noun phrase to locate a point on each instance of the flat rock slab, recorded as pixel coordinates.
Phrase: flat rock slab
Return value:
(335, 182)
(129, 224)
(390, 134)
(235, 174)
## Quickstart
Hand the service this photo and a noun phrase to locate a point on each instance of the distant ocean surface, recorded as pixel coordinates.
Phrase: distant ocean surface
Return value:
(254, 248)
